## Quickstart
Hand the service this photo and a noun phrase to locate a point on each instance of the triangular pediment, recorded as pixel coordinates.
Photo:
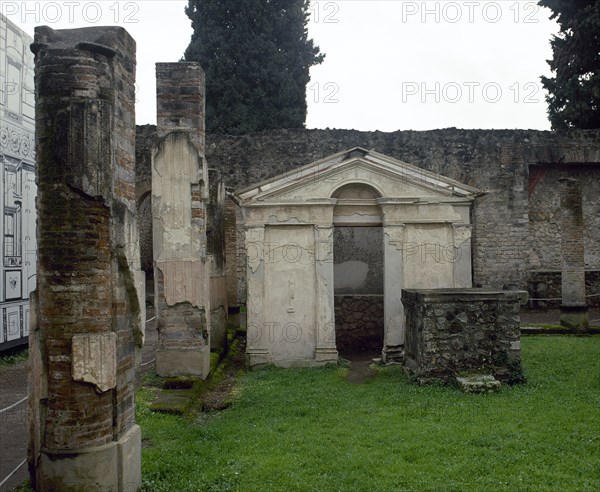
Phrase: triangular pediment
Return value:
(391, 178)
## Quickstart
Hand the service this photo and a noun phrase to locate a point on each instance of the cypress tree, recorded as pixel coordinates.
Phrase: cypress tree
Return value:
(256, 55)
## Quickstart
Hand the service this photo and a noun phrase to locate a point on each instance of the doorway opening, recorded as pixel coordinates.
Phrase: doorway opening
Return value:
(358, 272)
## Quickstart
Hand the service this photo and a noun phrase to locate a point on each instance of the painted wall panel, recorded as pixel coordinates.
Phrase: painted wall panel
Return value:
(18, 189)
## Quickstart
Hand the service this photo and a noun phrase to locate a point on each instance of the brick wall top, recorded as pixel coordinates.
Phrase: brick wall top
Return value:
(180, 96)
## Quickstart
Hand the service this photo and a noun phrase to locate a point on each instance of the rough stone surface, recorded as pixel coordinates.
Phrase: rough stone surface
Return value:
(452, 331)
(88, 260)
(547, 284)
(574, 306)
(545, 214)
(359, 323)
(478, 384)
(180, 91)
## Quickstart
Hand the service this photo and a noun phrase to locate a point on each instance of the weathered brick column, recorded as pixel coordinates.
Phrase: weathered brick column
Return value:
(179, 196)
(573, 310)
(89, 313)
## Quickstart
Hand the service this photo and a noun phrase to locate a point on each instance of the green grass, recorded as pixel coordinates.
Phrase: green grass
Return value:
(13, 356)
(309, 429)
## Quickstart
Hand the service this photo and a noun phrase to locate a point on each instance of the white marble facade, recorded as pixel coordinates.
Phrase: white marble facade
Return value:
(289, 221)
(17, 165)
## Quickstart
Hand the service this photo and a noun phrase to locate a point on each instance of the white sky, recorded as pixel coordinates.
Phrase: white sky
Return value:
(390, 65)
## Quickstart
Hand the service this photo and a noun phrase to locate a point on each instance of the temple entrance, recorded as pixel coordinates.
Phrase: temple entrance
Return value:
(389, 226)
(358, 272)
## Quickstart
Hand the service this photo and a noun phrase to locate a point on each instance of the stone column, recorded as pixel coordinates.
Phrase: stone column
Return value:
(393, 282)
(325, 350)
(462, 255)
(573, 311)
(88, 315)
(257, 351)
(179, 195)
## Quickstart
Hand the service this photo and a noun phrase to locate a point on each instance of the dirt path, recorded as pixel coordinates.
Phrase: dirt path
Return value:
(219, 397)
(553, 317)
(360, 370)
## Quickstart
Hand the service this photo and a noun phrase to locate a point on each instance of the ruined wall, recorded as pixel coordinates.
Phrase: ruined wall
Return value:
(359, 324)
(180, 193)
(230, 237)
(146, 138)
(544, 213)
(496, 161)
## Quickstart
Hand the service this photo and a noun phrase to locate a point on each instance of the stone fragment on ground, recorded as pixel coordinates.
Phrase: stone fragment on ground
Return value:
(478, 383)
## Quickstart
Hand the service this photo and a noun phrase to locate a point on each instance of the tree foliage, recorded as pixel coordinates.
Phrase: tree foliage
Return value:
(256, 55)
(574, 91)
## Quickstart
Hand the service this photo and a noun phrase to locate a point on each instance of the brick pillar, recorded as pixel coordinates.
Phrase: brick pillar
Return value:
(88, 315)
(180, 100)
(573, 311)
(231, 263)
(215, 235)
(179, 196)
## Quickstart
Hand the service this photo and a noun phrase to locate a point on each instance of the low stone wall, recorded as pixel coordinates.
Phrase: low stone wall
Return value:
(455, 331)
(546, 284)
(359, 323)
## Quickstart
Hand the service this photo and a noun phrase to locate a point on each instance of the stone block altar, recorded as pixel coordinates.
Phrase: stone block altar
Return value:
(453, 332)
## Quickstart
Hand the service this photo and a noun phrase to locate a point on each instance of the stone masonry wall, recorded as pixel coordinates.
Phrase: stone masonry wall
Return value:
(359, 323)
(454, 331)
(215, 245)
(497, 161)
(146, 138)
(544, 214)
(546, 284)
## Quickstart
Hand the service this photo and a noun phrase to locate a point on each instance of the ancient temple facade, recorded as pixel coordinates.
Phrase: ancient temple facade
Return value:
(423, 220)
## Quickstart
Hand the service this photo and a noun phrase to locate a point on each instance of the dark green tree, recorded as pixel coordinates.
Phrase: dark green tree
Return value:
(256, 55)
(574, 91)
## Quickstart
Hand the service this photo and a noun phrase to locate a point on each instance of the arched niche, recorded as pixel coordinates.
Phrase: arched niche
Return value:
(358, 270)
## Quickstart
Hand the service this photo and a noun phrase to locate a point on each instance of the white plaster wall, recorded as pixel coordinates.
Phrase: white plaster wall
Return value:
(428, 253)
(289, 302)
(426, 245)
(176, 169)
(386, 183)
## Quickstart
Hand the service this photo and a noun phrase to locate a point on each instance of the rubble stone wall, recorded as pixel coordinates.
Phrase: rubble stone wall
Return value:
(507, 238)
(450, 332)
(359, 324)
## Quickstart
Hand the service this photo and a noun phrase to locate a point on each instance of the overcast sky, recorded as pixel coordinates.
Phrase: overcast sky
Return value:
(390, 65)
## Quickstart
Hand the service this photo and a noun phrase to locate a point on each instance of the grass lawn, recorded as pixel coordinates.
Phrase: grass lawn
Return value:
(309, 429)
